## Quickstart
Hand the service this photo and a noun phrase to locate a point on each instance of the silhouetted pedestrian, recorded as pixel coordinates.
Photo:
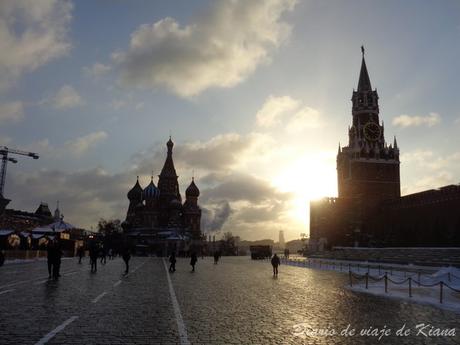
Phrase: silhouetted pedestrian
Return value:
(275, 264)
(50, 251)
(57, 260)
(172, 261)
(80, 253)
(93, 255)
(216, 257)
(193, 260)
(2, 258)
(126, 257)
(103, 255)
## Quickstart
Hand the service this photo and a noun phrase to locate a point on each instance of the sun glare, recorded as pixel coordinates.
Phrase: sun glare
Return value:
(308, 178)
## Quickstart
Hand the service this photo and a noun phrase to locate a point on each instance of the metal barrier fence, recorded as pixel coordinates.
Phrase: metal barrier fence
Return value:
(409, 280)
(389, 272)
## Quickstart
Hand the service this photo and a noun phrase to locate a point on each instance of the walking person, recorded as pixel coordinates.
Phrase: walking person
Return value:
(80, 253)
(93, 255)
(172, 261)
(126, 257)
(275, 264)
(57, 260)
(216, 257)
(193, 260)
(103, 255)
(50, 251)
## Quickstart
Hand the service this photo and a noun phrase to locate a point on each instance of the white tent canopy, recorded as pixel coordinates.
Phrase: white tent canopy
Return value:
(61, 225)
(5, 232)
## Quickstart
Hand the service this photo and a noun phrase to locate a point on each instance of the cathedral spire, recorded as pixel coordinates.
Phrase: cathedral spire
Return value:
(168, 167)
(364, 83)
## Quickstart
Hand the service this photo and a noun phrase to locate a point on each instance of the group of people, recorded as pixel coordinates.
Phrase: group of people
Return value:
(54, 255)
(97, 252)
(173, 260)
(275, 261)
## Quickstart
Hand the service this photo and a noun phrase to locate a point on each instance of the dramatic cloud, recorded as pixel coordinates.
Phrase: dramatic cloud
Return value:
(66, 98)
(85, 196)
(415, 121)
(214, 217)
(11, 112)
(243, 187)
(287, 111)
(75, 147)
(31, 34)
(82, 144)
(220, 153)
(96, 70)
(221, 49)
(274, 108)
(303, 119)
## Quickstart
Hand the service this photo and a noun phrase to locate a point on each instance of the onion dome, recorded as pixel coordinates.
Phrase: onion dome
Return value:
(192, 190)
(136, 192)
(175, 204)
(151, 191)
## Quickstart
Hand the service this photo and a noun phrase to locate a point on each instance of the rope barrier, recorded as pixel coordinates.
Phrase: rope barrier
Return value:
(399, 283)
(450, 287)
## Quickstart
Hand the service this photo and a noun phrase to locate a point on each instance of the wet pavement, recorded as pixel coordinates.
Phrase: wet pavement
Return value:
(235, 302)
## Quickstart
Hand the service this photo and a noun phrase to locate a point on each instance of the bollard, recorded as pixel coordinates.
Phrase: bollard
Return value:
(440, 291)
(368, 268)
(419, 278)
(367, 280)
(351, 282)
(386, 283)
(349, 267)
(410, 287)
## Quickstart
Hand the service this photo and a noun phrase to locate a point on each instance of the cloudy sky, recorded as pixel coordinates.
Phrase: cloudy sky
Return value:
(256, 95)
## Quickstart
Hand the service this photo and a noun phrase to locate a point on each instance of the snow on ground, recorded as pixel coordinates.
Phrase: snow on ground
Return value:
(449, 276)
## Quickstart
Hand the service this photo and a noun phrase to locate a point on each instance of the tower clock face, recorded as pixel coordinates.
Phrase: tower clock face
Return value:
(372, 131)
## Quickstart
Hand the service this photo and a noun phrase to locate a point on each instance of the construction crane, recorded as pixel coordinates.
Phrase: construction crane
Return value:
(4, 152)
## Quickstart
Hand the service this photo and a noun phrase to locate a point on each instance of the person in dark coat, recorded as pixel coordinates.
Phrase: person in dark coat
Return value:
(57, 260)
(103, 255)
(172, 261)
(193, 260)
(126, 257)
(51, 253)
(93, 255)
(216, 257)
(275, 263)
(80, 253)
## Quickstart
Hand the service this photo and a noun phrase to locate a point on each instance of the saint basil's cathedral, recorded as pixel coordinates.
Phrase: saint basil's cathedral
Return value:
(157, 220)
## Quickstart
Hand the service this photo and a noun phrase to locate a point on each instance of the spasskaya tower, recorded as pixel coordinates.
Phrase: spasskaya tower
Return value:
(368, 168)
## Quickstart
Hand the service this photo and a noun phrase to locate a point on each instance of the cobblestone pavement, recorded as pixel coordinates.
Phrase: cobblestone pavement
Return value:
(235, 302)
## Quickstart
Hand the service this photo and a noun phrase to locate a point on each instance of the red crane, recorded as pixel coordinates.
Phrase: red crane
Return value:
(4, 152)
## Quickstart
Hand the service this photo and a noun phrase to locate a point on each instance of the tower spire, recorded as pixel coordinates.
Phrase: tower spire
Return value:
(364, 83)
